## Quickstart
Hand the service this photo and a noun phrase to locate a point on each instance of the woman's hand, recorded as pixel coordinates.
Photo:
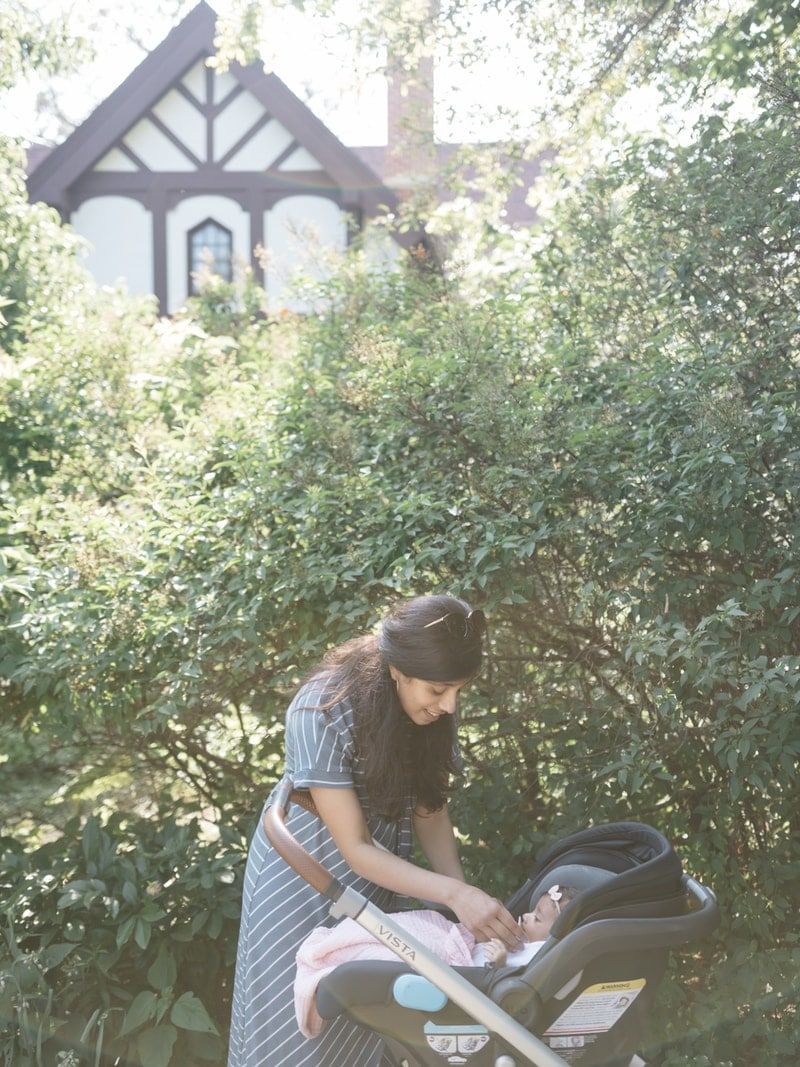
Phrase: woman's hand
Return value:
(495, 953)
(484, 916)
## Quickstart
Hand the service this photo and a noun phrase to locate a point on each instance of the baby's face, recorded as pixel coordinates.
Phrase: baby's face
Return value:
(536, 924)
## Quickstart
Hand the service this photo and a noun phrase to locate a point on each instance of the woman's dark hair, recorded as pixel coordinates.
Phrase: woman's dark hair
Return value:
(429, 637)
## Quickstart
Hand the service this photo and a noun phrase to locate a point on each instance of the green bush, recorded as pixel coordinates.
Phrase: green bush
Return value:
(118, 941)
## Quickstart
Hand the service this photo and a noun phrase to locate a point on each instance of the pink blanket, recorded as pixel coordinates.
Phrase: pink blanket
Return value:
(325, 948)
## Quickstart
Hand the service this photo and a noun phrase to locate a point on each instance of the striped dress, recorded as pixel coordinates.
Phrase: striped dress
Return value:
(279, 909)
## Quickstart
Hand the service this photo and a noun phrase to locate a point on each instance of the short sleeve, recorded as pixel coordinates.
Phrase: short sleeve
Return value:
(318, 742)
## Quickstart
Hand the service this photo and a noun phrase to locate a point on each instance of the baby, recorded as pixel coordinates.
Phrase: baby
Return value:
(535, 927)
(327, 947)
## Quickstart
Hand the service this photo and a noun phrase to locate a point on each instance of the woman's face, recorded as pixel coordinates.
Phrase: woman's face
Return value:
(536, 924)
(425, 702)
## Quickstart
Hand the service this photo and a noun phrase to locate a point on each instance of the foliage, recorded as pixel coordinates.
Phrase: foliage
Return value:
(579, 51)
(30, 43)
(225, 308)
(134, 925)
(38, 273)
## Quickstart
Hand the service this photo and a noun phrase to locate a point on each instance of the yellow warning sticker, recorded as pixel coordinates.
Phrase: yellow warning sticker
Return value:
(597, 1008)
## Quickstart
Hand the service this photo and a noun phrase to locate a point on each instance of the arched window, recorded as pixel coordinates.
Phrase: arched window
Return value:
(210, 248)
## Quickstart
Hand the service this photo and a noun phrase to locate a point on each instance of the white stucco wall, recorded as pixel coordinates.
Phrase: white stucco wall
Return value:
(301, 234)
(155, 149)
(300, 159)
(222, 85)
(184, 121)
(115, 161)
(120, 232)
(184, 217)
(195, 81)
(262, 148)
(234, 122)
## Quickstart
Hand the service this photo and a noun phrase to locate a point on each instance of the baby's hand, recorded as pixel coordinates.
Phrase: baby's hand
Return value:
(495, 952)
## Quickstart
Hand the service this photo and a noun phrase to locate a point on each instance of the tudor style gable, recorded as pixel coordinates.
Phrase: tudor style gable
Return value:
(180, 150)
(207, 122)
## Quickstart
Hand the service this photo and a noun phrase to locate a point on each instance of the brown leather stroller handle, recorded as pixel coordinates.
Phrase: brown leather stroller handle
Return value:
(287, 846)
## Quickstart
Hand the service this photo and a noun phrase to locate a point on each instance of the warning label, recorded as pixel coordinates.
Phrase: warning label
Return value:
(595, 1010)
(456, 1044)
(571, 1047)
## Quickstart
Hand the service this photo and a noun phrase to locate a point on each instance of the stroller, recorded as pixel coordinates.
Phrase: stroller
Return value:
(583, 999)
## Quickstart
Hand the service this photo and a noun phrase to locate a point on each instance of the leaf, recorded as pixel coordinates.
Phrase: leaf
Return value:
(754, 691)
(164, 1003)
(189, 1014)
(142, 934)
(141, 1011)
(163, 972)
(125, 930)
(152, 913)
(27, 975)
(70, 896)
(199, 921)
(155, 1045)
(91, 838)
(206, 1048)
(53, 955)
(89, 1024)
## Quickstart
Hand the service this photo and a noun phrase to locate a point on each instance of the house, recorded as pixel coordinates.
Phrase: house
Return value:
(182, 167)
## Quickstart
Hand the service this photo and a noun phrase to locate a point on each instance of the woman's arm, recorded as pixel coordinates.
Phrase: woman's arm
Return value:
(484, 916)
(437, 840)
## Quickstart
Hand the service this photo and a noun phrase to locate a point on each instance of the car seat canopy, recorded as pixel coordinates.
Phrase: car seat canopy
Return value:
(578, 875)
(619, 865)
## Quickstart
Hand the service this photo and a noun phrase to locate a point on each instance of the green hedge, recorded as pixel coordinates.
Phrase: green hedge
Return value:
(118, 941)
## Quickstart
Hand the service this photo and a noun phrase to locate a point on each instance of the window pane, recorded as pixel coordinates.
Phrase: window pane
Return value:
(211, 248)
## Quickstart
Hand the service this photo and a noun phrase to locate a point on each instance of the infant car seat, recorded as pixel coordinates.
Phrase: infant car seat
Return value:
(583, 999)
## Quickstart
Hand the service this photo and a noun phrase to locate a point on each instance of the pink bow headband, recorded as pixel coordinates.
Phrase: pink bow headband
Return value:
(555, 895)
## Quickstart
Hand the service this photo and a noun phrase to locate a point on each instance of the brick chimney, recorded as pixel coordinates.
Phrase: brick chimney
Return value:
(411, 152)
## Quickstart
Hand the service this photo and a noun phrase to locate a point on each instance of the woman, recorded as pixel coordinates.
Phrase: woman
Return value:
(371, 735)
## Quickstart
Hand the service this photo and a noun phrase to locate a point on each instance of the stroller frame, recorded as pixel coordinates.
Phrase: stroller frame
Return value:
(585, 942)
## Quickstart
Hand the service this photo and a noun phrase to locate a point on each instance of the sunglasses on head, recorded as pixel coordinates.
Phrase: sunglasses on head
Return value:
(457, 624)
